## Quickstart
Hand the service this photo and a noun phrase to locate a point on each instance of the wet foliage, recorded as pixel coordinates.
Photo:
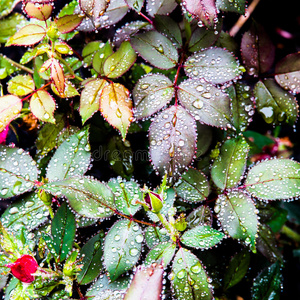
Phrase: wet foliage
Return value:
(146, 151)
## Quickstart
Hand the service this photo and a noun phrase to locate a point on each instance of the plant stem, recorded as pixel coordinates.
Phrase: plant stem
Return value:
(290, 233)
(166, 224)
(17, 65)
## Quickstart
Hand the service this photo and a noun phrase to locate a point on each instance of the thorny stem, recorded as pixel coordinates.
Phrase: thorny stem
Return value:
(242, 19)
(146, 18)
(41, 88)
(19, 66)
(179, 66)
(133, 219)
(167, 225)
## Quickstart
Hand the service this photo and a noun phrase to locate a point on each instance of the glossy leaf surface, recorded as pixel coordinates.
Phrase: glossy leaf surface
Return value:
(21, 85)
(18, 172)
(122, 248)
(161, 254)
(160, 7)
(10, 107)
(274, 179)
(172, 149)
(151, 93)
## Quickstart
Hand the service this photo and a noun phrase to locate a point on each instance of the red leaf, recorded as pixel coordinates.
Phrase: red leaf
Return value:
(40, 12)
(57, 75)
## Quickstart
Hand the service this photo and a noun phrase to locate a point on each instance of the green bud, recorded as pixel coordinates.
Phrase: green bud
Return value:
(154, 202)
(45, 197)
(180, 223)
(52, 32)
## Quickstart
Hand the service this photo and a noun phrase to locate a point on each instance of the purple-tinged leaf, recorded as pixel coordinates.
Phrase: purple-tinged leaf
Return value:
(242, 106)
(274, 103)
(188, 277)
(119, 62)
(156, 49)
(275, 179)
(204, 138)
(207, 103)
(172, 138)
(151, 93)
(204, 11)
(215, 65)
(42, 105)
(27, 35)
(160, 7)
(125, 32)
(237, 6)
(258, 51)
(228, 169)
(146, 284)
(122, 247)
(93, 8)
(288, 72)
(192, 186)
(238, 216)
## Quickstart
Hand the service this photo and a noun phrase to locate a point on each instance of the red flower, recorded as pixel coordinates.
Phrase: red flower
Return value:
(3, 135)
(23, 268)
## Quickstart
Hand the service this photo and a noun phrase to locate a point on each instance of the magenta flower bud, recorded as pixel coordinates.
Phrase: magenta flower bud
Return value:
(153, 202)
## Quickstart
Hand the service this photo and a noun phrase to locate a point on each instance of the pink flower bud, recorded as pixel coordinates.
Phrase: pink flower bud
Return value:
(3, 135)
(23, 268)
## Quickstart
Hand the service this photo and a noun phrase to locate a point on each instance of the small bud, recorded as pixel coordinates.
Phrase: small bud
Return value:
(45, 197)
(180, 223)
(23, 268)
(153, 201)
(52, 32)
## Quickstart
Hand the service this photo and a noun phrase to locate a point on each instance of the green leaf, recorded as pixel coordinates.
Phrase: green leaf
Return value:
(162, 253)
(288, 72)
(68, 23)
(204, 139)
(100, 56)
(207, 103)
(21, 85)
(119, 62)
(202, 237)
(238, 216)
(192, 186)
(47, 136)
(42, 105)
(63, 230)
(116, 107)
(168, 27)
(242, 107)
(104, 289)
(267, 285)
(90, 98)
(228, 169)
(10, 107)
(275, 179)
(27, 35)
(237, 6)
(6, 7)
(202, 215)
(87, 197)
(202, 38)
(237, 269)
(89, 51)
(155, 236)
(151, 93)
(257, 50)
(6, 68)
(215, 65)
(156, 49)
(92, 253)
(160, 7)
(274, 103)
(126, 194)
(189, 279)
(9, 26)
(28, 212)
(72, 158)
(171, 152)
(18, 172)
(122, 248)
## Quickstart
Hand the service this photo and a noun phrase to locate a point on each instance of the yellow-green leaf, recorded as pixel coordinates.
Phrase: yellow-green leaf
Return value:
(21, 85)
(27, 36)
(68, 23)
(57, 75)
(42, 105)
(40, 12)
(10, 107)
(116, 107)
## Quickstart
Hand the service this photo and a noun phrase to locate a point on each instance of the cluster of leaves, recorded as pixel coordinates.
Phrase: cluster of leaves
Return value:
(180, 81)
